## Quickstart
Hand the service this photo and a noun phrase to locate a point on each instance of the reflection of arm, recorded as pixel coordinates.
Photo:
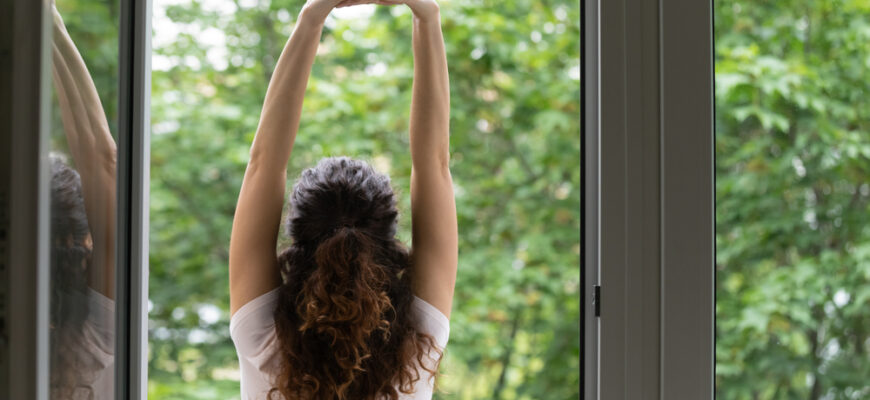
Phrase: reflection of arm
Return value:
(434, 236)
(92, 148)
(253, 262)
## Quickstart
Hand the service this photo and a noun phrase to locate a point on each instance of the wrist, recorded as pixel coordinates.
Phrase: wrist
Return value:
(312, 15)
(428, 19)
(432, 13)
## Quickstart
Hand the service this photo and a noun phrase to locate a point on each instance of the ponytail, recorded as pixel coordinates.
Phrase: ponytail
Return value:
(345, 300)
(344, 320)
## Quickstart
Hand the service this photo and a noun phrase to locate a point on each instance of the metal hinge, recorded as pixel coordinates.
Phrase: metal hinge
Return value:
(596, 300)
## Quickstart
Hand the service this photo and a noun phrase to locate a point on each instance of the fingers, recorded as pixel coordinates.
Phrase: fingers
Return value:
(348, 3)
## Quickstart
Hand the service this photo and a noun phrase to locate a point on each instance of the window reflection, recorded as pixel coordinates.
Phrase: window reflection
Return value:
(82, 238)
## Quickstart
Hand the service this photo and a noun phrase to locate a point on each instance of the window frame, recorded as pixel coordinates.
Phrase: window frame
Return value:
(688, 199)
(648, 199)
(589, 198)
(24, 197)
(134, 158)
(652, 247)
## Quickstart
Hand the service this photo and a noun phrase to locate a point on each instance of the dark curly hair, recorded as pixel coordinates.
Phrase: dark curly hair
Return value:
(70, 262)
(343, 319)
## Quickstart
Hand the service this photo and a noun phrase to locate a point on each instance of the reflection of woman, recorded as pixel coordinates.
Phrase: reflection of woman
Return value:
(82, 230)
(355, 314)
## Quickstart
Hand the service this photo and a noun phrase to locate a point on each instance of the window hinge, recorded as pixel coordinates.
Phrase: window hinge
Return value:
(596, 300)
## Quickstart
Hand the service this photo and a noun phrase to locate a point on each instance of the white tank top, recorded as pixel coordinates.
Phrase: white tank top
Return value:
(252, 329)
(94, 349)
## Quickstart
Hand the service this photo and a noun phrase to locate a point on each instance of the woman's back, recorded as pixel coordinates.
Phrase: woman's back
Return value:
(335, 315)
(252, 329)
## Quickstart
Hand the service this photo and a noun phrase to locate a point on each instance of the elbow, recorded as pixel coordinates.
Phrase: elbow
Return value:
(259, 157)
(443, 168)
(444, 160)
(265, 163)
(444, 165)
(439, 164)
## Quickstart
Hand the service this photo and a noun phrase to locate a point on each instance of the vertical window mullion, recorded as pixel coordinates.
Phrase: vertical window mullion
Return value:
(687, 199)
(133, 189)
(629, 200)
(25, 66)
(655, 200)
(589, 65)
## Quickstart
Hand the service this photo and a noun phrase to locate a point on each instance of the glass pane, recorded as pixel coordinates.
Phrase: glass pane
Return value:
(793, 199)
(82, 239)
(515, 163)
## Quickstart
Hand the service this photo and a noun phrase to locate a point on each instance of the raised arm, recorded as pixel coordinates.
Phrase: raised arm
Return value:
(92, 148)
(253, 261)
(434, 234)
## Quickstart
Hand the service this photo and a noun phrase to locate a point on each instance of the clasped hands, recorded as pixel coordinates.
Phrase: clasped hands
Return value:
(424, 10)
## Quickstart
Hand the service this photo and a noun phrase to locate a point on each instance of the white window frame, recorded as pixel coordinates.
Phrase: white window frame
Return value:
(649, 138)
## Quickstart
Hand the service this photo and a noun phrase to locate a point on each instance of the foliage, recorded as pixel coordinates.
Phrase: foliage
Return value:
(792, 168)
(514, 70)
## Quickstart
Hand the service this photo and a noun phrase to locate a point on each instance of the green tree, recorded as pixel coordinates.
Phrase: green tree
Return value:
(792, 169)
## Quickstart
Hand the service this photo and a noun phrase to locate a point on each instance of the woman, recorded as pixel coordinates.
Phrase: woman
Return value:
(82, 316)
(347, 312)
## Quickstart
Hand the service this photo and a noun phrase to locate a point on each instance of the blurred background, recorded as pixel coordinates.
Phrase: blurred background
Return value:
(515, 160)
(793, 199)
